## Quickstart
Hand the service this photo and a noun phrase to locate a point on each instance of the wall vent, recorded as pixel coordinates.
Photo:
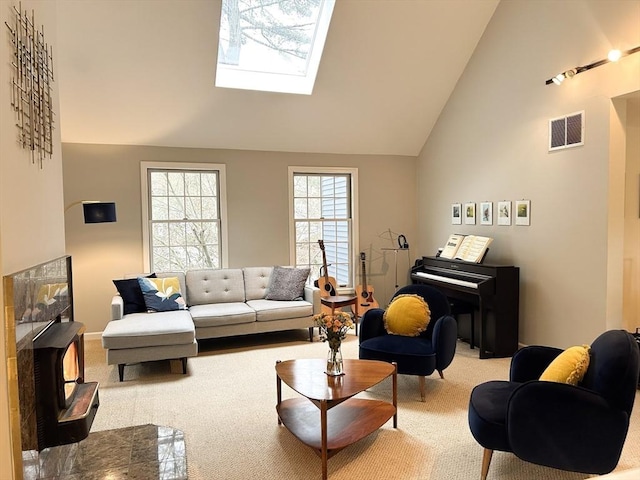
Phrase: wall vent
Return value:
(567, 131)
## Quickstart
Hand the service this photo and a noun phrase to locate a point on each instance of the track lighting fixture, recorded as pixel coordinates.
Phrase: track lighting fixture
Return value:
(613, 56)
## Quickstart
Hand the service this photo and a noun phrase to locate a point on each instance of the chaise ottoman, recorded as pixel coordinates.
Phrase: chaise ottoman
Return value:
(145, 337)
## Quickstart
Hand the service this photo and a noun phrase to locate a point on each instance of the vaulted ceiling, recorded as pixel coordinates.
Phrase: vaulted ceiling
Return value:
(141, 72)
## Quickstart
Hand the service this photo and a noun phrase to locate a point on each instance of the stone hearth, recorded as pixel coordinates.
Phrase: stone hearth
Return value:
(144, 452)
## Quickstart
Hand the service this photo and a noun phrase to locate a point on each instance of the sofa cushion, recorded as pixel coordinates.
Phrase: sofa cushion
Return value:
(131, 294)
(408, 315)
(256, 281)
(568, 367)
(162, 294)
(287, 283)
(149, 329)
(181, 278)
(267, 310)
(178, 275)
(222, 314)
(215, 286)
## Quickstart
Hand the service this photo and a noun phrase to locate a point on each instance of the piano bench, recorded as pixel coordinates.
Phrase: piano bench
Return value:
(463, 308)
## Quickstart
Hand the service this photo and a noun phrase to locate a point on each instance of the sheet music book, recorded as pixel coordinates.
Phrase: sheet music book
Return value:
(452, 245)
(469, 248)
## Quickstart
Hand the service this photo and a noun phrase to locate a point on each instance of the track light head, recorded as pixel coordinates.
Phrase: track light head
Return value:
(614, 55)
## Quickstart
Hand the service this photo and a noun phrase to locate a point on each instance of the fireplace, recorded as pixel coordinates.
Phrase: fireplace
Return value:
(50, 401)
(65, 404)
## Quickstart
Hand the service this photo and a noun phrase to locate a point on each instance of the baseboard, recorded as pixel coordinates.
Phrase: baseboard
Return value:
(93, 335)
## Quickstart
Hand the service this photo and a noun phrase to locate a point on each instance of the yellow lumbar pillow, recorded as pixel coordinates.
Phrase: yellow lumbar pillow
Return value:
(407, 315)
(568, 367)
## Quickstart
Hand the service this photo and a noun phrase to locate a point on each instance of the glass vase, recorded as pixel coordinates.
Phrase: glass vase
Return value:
(334, 362)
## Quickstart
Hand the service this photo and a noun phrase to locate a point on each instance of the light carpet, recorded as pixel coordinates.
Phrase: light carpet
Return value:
(225, 406)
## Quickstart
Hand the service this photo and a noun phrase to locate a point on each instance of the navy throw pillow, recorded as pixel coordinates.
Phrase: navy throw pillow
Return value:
(129, 290)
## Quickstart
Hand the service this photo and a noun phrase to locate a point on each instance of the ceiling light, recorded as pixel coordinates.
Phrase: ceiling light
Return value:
(614, 56)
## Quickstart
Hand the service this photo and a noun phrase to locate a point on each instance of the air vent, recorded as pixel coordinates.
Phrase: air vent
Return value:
(565, 132)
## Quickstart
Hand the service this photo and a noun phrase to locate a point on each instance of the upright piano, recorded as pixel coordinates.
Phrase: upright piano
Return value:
(490, 290)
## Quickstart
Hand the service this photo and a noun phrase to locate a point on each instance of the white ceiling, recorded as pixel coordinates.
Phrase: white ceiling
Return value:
(141, 72)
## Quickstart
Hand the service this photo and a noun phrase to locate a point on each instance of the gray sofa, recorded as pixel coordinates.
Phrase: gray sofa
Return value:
(221, 303)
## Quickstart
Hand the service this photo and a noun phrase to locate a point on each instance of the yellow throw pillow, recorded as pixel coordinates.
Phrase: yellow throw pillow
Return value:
(568, 367)
(162, 294)
(407, 315)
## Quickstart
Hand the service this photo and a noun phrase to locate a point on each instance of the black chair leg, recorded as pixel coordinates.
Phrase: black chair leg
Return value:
(121, 371)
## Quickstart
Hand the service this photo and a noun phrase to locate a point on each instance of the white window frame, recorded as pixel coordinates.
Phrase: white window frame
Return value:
(355, 226)
(178, 166)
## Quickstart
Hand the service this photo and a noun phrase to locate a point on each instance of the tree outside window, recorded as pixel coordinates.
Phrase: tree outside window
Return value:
(184, 220)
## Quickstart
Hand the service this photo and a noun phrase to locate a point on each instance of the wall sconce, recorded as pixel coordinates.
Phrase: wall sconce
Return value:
(96, 211)
(614, 56)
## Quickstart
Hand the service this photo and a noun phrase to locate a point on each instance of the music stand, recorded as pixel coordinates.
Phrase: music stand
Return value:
(395, 252)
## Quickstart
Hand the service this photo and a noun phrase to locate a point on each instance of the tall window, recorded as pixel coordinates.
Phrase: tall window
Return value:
(183, 212)
(323, 208)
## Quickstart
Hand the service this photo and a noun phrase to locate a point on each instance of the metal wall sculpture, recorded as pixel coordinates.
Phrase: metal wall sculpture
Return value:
(31, 85)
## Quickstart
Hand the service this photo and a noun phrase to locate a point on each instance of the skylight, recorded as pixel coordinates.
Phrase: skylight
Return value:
(272, 45)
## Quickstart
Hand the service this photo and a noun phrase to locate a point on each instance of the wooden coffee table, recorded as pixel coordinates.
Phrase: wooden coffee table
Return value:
(342, 420)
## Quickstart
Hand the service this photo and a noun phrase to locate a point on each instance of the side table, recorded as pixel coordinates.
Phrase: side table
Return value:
(339, 301)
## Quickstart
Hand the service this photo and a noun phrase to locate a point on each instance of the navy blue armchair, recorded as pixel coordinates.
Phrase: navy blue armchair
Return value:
(579, 428)
(432, 350)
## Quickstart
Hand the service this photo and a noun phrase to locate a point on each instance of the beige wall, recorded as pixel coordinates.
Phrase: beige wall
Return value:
(490, 143)
(257, 206)
(31, 214)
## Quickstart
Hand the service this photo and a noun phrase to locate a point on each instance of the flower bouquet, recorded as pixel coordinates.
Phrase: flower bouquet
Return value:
(333, 329)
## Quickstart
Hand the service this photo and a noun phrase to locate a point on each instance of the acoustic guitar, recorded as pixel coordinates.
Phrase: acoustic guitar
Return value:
(326, 283)
(364, 292)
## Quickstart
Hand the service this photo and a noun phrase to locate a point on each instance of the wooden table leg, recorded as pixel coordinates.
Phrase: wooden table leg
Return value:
(323, 429)
(395, 393)
(357, 314)
(279, 392)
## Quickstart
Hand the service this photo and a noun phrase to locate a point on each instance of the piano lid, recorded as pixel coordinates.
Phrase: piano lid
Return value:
(461, 265)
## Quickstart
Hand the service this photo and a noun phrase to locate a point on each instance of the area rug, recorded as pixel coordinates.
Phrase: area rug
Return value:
(225, 405)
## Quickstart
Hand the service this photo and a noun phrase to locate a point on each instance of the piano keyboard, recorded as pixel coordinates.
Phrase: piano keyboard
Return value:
(455, 281)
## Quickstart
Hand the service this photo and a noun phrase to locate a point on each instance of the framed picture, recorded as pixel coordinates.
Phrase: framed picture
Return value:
(486, 213)
(456, 214)
(504, 213)
(523, 212)
(470, 213)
